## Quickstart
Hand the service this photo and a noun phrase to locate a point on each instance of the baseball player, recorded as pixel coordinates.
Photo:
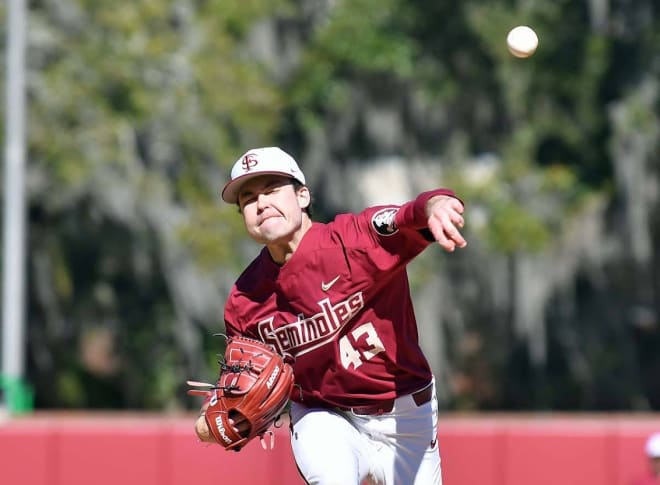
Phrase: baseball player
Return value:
(334, 299)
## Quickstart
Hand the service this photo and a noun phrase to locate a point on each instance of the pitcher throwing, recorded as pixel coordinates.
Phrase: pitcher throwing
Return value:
(334, 300)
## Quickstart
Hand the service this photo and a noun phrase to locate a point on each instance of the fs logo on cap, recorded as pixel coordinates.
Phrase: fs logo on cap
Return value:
(249, 162)
(267, 160)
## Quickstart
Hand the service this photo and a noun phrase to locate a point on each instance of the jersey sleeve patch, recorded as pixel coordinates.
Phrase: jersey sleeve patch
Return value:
(383, 221)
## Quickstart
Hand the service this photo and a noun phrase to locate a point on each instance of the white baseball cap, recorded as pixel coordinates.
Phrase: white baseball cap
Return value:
(260, 161)
(653, 446)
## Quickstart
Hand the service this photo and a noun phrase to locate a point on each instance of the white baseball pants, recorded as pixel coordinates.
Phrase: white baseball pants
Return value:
(333, 447)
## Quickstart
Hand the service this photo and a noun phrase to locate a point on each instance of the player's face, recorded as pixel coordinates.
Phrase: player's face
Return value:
(272, 209)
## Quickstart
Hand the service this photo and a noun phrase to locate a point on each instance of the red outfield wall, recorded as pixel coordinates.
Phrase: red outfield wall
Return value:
(59, 449)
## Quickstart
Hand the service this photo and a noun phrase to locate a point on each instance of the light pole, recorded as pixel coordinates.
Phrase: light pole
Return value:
(13, 295)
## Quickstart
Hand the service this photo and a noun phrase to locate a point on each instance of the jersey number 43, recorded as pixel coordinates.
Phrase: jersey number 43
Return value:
(350, 356)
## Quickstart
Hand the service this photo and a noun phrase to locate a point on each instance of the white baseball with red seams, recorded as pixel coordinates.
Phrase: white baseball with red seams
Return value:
(522, 41)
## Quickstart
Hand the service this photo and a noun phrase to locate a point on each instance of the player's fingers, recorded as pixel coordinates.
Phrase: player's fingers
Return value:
(240, 425)
(455, 235)
(448, 245)
(437, 229)
(450, 222)
(457, 219)
(458, 206)
(447, 233)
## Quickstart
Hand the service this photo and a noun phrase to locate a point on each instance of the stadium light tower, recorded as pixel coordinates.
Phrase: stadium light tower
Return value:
(13, 299)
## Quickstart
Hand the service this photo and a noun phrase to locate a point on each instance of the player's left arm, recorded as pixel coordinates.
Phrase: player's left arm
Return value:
(201, 427)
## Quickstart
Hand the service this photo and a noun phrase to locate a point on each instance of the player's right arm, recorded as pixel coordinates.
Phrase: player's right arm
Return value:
(440, 211)
(444, 219)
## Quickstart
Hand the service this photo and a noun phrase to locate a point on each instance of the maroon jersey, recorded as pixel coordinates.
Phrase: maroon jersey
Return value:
(340, 307)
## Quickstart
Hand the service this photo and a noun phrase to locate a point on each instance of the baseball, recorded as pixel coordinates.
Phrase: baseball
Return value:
(522, 41)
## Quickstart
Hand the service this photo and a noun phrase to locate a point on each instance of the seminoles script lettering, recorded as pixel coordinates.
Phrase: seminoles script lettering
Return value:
(306, 334)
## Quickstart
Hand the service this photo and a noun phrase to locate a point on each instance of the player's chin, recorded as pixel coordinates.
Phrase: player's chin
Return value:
(272, 226)
(258, 235)
(271, 235)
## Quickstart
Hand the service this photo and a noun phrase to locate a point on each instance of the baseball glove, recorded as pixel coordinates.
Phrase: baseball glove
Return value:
(252, 391)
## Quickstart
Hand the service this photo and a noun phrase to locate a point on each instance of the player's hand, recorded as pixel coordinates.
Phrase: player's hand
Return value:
(445, 218)
(204, 434)
(202, 430)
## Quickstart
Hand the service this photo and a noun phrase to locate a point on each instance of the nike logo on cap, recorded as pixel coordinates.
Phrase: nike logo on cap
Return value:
(328, 285)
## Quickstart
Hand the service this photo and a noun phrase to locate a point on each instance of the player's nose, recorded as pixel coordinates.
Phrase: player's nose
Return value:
(262, 201)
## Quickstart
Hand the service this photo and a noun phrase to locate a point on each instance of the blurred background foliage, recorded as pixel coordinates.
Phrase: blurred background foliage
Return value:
(137, 110)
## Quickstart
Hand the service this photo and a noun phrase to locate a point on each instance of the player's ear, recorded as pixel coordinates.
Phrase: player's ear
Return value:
(304, 197)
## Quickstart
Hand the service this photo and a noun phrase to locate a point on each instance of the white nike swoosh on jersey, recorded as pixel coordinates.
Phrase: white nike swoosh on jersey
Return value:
(328, 285)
